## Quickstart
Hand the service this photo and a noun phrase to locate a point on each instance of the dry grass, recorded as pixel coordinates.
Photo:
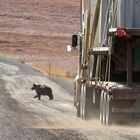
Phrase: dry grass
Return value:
(32, 31)
(53, 71)
(48, 70)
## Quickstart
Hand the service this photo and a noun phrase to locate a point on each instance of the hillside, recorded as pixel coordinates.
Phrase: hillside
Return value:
(37, 32)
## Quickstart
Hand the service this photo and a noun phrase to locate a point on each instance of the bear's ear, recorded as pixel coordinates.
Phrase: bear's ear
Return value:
(38, 86)
(34, 84)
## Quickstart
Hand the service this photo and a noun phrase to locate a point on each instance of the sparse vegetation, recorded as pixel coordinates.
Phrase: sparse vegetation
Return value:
(32, 32)
(47, 70)
(53, 71)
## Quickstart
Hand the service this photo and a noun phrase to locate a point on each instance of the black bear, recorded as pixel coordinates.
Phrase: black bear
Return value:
(42, 90)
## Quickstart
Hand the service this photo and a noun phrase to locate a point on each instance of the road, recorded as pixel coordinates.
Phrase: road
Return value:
(24, 117)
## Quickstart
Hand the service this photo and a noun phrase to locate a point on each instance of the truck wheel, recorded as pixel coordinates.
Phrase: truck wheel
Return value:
(108, 110)
(101, 106)
(78, 110)
(75, 90)
(83, 103)
(80, 104)
(104, 108)
(81, 107)
(103, 102)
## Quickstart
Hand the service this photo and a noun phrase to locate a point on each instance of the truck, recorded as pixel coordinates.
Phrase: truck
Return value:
(108, 76)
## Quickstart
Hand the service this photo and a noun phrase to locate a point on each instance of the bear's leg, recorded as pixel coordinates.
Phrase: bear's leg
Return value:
(51, 97)
(35, 96)
(39, 96)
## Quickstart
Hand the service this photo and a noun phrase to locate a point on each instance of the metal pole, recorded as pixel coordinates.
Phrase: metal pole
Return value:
(50, 66)
(129, 63)
(81, 15)
(81, 33)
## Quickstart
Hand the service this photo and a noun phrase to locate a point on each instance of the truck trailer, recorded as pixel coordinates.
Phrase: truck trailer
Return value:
(108, 76)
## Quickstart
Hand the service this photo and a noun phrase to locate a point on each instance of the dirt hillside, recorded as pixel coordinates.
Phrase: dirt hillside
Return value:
(37, 32)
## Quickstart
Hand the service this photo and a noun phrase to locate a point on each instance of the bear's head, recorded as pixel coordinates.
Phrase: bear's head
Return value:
(34, 86)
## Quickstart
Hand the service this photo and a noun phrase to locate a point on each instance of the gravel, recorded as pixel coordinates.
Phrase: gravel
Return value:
(23, 118)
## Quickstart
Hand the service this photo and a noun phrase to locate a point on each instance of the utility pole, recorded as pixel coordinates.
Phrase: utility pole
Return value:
(49, 65)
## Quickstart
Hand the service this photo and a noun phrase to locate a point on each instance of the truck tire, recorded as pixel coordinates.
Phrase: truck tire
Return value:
(101, 106)
(103, 103)
(108, 110)
(83, 102)
(104, 108)
(75, 90)
(78, 113)
(86, 102)
(81, 111)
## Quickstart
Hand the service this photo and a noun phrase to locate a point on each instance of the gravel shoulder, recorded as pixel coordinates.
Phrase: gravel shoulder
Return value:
(23, 117)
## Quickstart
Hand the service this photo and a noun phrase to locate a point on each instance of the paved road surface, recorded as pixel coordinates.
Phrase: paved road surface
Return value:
(23, 117)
